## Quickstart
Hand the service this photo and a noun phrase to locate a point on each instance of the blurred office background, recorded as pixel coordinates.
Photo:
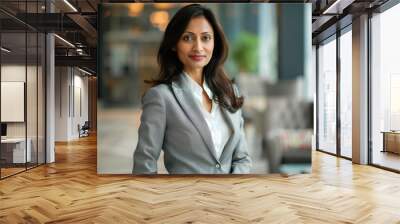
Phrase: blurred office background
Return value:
(269, 58)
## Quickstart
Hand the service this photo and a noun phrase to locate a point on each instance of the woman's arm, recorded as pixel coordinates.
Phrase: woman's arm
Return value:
(241, 161)
(151, 133)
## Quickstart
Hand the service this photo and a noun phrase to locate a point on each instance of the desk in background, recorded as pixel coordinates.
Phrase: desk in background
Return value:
(13, 150)
(391, 141)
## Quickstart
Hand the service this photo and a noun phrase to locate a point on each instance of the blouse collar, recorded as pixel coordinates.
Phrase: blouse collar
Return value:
(198, 90)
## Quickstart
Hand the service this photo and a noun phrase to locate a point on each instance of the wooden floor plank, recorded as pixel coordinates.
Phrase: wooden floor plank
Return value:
(70, 191)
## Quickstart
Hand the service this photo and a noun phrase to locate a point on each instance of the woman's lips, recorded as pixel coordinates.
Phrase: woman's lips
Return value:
(197, 57)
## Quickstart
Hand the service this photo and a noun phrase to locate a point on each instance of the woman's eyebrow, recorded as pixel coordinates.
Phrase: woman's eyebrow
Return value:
(200, 33)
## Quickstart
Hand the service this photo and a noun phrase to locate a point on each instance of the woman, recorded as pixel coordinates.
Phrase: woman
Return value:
(192, 112)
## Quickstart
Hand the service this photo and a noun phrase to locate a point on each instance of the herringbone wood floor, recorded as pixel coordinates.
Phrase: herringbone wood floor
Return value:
(70, 191)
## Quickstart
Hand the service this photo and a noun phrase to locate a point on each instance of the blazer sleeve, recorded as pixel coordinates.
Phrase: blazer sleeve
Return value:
(241, 161)
(151, 133)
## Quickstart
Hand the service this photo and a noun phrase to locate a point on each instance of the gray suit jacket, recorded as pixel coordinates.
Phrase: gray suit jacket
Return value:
(173, 122)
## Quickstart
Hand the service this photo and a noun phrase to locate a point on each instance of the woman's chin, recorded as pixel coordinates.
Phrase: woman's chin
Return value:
(197, 65)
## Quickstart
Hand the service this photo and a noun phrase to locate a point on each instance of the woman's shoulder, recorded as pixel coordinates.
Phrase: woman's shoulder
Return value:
(160, 88)
(159, 91)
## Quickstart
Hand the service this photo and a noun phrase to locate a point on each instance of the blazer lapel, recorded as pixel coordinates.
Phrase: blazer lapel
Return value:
(184, 96)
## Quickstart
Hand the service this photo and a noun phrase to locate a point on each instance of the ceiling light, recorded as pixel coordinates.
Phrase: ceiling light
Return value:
(86, 72)
(164, 6)
(337, 7)
(135, 9)
(5, 49)
(65, 41)
(159, 19)
(70, 5)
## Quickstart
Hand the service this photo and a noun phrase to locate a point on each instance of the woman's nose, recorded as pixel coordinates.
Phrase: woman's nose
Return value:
(197, 45)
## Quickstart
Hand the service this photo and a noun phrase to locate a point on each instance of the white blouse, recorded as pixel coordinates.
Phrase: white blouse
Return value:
(219, 129)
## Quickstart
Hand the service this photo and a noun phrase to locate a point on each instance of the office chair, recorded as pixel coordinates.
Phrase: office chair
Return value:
(84, 130)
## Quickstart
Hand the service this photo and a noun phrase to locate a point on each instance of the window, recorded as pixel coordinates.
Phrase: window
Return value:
(346, 94)
(385, 88)
(327, 96)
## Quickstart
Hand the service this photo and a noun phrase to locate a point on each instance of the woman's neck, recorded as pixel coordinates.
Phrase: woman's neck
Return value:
(196, 75)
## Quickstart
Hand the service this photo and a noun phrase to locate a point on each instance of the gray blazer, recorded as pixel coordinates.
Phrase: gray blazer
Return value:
(172, 121)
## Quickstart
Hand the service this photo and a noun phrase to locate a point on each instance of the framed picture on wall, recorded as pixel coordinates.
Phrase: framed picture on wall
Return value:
(12, 101)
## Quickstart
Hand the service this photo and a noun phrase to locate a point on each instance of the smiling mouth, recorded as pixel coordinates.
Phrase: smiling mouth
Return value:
(197, 57)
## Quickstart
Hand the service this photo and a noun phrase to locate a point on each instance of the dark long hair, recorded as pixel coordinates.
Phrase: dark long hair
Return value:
(171, 67)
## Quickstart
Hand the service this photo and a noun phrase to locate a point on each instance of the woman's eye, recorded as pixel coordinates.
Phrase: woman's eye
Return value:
(206, 38)
(187, 38)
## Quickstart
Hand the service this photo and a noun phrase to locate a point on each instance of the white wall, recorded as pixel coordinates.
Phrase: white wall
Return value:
(13, 72)
(80, 89)
(62, 81)
(71, 94)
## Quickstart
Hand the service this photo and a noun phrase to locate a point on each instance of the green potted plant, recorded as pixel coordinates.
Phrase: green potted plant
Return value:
(245, 52)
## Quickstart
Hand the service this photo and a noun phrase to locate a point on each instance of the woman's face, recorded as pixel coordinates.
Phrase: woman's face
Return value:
(196, 44)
